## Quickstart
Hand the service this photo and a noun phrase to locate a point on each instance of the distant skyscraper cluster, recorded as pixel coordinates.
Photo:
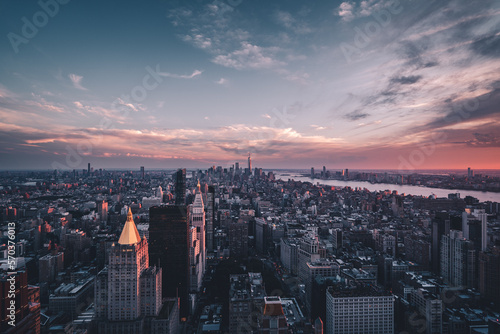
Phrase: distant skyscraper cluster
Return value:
(470, 173)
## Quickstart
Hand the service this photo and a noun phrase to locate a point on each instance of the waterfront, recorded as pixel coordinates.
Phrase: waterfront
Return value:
(483, 196)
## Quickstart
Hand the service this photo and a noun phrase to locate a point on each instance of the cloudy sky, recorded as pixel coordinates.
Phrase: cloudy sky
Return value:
(359, 84)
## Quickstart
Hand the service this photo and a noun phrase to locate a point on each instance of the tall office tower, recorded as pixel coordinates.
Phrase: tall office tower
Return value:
(470, 173)
(465, 224)
(209, 218)
(88, 168)
(346, 173)
(418, 250)
(142, 172)
(337, 239)
(318, 326)
(288, 253)
(475, 226)
(323, 174)
(308, 252)
(102, 210)
(195, 273)
(238, 238)
(197, 220)
(236, 167)
(50, 265)
(312, 172)
(458, 260)
(440, 227)
(249, 164)
(169, 246)
(128, 289)
(273, 317)
(180, 187)
(359, 309)
(261, 235)
(489, 274)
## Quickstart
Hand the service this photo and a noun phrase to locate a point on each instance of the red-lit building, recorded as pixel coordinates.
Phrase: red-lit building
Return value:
(273, 317)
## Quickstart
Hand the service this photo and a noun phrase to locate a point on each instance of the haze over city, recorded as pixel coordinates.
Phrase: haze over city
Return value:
(167, 84)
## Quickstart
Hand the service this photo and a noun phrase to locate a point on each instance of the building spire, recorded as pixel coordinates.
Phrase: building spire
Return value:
(198, 199)
(129, 235)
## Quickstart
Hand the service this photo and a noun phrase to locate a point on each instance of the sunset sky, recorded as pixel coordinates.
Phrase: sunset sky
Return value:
(359, 84)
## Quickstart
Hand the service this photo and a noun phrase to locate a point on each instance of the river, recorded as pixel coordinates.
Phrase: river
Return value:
(483, 196)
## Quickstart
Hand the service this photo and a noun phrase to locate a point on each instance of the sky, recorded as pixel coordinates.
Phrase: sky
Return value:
(374, 84)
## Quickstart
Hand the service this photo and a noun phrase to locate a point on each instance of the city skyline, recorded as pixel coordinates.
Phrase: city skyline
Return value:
(369, 84)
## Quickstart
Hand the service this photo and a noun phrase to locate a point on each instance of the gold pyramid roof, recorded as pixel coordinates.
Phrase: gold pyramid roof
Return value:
(129, 235)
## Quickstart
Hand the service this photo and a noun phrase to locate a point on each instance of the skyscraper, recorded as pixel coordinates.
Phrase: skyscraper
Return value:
(88, 168)
(180, 187)
(102, 210)
(458, 260)
(471, 220)
(195, 273)
(169, 246)
(470, 173)
(337, 241)
(249, 164)
(238, 238)
(197, 220)
(440, 227)
(209, 218)
(261, 235)
(142, 172)
(318, 326)
(489, 274)
(128, 289)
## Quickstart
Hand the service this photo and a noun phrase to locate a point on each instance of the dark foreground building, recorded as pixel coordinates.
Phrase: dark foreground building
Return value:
(169, 247)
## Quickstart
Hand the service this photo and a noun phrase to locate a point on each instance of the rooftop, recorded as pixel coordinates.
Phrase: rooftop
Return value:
(130, 235)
